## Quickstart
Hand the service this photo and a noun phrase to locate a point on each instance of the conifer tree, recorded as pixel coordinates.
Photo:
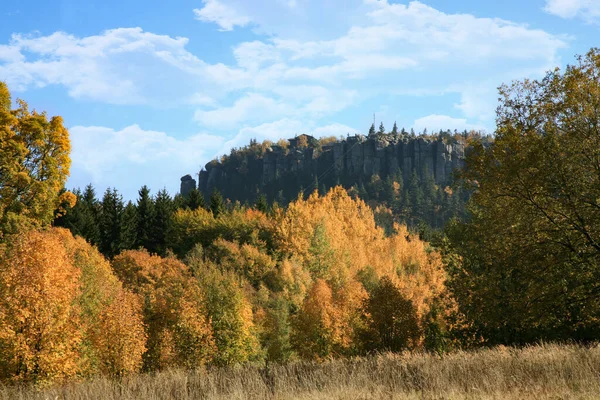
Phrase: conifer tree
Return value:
(129, 227)
(262, 204)
(145, 216)
(381, 129)
(195, 200)
(110, 223)
(395, 129)
(217, 206)
(163, 209)
(372, 130)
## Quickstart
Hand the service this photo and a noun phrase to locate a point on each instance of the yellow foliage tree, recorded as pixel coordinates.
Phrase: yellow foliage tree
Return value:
(40, 324)
(111, 315)
(34, 161)
(179, 332)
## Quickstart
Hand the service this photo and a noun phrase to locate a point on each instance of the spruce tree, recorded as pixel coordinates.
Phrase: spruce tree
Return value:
(129, 227)
(381, 129)
(145, 215)
(195, 200)
(163, 210)
(395, 130)
(90, 212)
(110, 223)
(372, 130)
(262, 204)
(217, 206)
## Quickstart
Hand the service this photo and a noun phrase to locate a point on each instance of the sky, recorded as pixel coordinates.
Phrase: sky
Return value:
(153, 90)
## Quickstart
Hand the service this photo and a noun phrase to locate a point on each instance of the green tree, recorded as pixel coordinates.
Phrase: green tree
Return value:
(525, 266)
(129, 227)
(195, 200)
(390, 319)
(145, 218)
(217, 206)
(372, 130)
(262, 204)
(381, 130)
(395, 130)
(163, 210)
(110, 223)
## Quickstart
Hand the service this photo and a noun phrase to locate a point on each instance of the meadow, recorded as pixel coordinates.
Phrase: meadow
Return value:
(546, 371)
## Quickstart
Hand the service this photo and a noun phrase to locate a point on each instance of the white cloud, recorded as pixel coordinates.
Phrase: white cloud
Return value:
(588, 10)
(127, 158)
(119, 66)
(251, 108)
(435, 122)
(220, 13)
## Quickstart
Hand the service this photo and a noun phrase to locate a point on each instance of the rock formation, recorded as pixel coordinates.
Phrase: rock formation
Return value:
(278, 171)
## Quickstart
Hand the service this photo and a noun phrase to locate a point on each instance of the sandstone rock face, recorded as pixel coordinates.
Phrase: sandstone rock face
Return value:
(187, 184)
(355, 159)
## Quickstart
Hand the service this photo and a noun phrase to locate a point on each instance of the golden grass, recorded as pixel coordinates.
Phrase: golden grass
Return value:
(537, 372)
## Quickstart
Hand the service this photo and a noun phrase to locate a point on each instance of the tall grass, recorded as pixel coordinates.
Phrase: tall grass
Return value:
(537, 372)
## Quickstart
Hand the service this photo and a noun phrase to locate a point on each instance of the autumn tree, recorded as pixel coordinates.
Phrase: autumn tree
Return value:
(390, 320)
(178, 329)
(524, 267)
(40, 324)
(34, 161)
(113, 337)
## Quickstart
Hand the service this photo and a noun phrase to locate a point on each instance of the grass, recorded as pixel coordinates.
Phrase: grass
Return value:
(537, 372)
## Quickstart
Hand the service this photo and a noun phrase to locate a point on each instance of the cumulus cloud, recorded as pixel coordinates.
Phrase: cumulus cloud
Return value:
(586, 9)
(128, 158)
(220, 13)
(118, 66)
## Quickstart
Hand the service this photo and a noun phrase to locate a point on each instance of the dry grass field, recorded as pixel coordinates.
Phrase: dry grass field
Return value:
(537, 372)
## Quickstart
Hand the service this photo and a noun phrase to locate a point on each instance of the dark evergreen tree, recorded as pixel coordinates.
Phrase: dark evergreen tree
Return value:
(145, 216)
(217, 205)
(395, 129)
(163, 210)
(89, 225)
(372, 130)
(262, 204)
(381, 130)
(110, 223)
(129, 227)
(195, 200)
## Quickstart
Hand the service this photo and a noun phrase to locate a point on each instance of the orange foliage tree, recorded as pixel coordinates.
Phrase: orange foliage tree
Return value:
(179, 332)
(40, 324)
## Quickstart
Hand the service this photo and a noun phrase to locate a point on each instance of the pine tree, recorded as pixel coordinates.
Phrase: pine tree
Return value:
(195, 200)
(88, 227)
(372, 130)
(217, 206)
(381, 129)
(129, 227)
(145, 216)
(262, 204)
(110, 223)
(395, 130)
(163, 209)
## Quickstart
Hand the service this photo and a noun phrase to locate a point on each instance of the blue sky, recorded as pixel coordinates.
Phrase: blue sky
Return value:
(152, 91)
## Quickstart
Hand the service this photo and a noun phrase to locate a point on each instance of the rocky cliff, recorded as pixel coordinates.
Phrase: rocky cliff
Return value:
(281, 172)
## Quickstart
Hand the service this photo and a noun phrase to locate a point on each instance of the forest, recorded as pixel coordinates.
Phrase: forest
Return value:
(94, 287)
